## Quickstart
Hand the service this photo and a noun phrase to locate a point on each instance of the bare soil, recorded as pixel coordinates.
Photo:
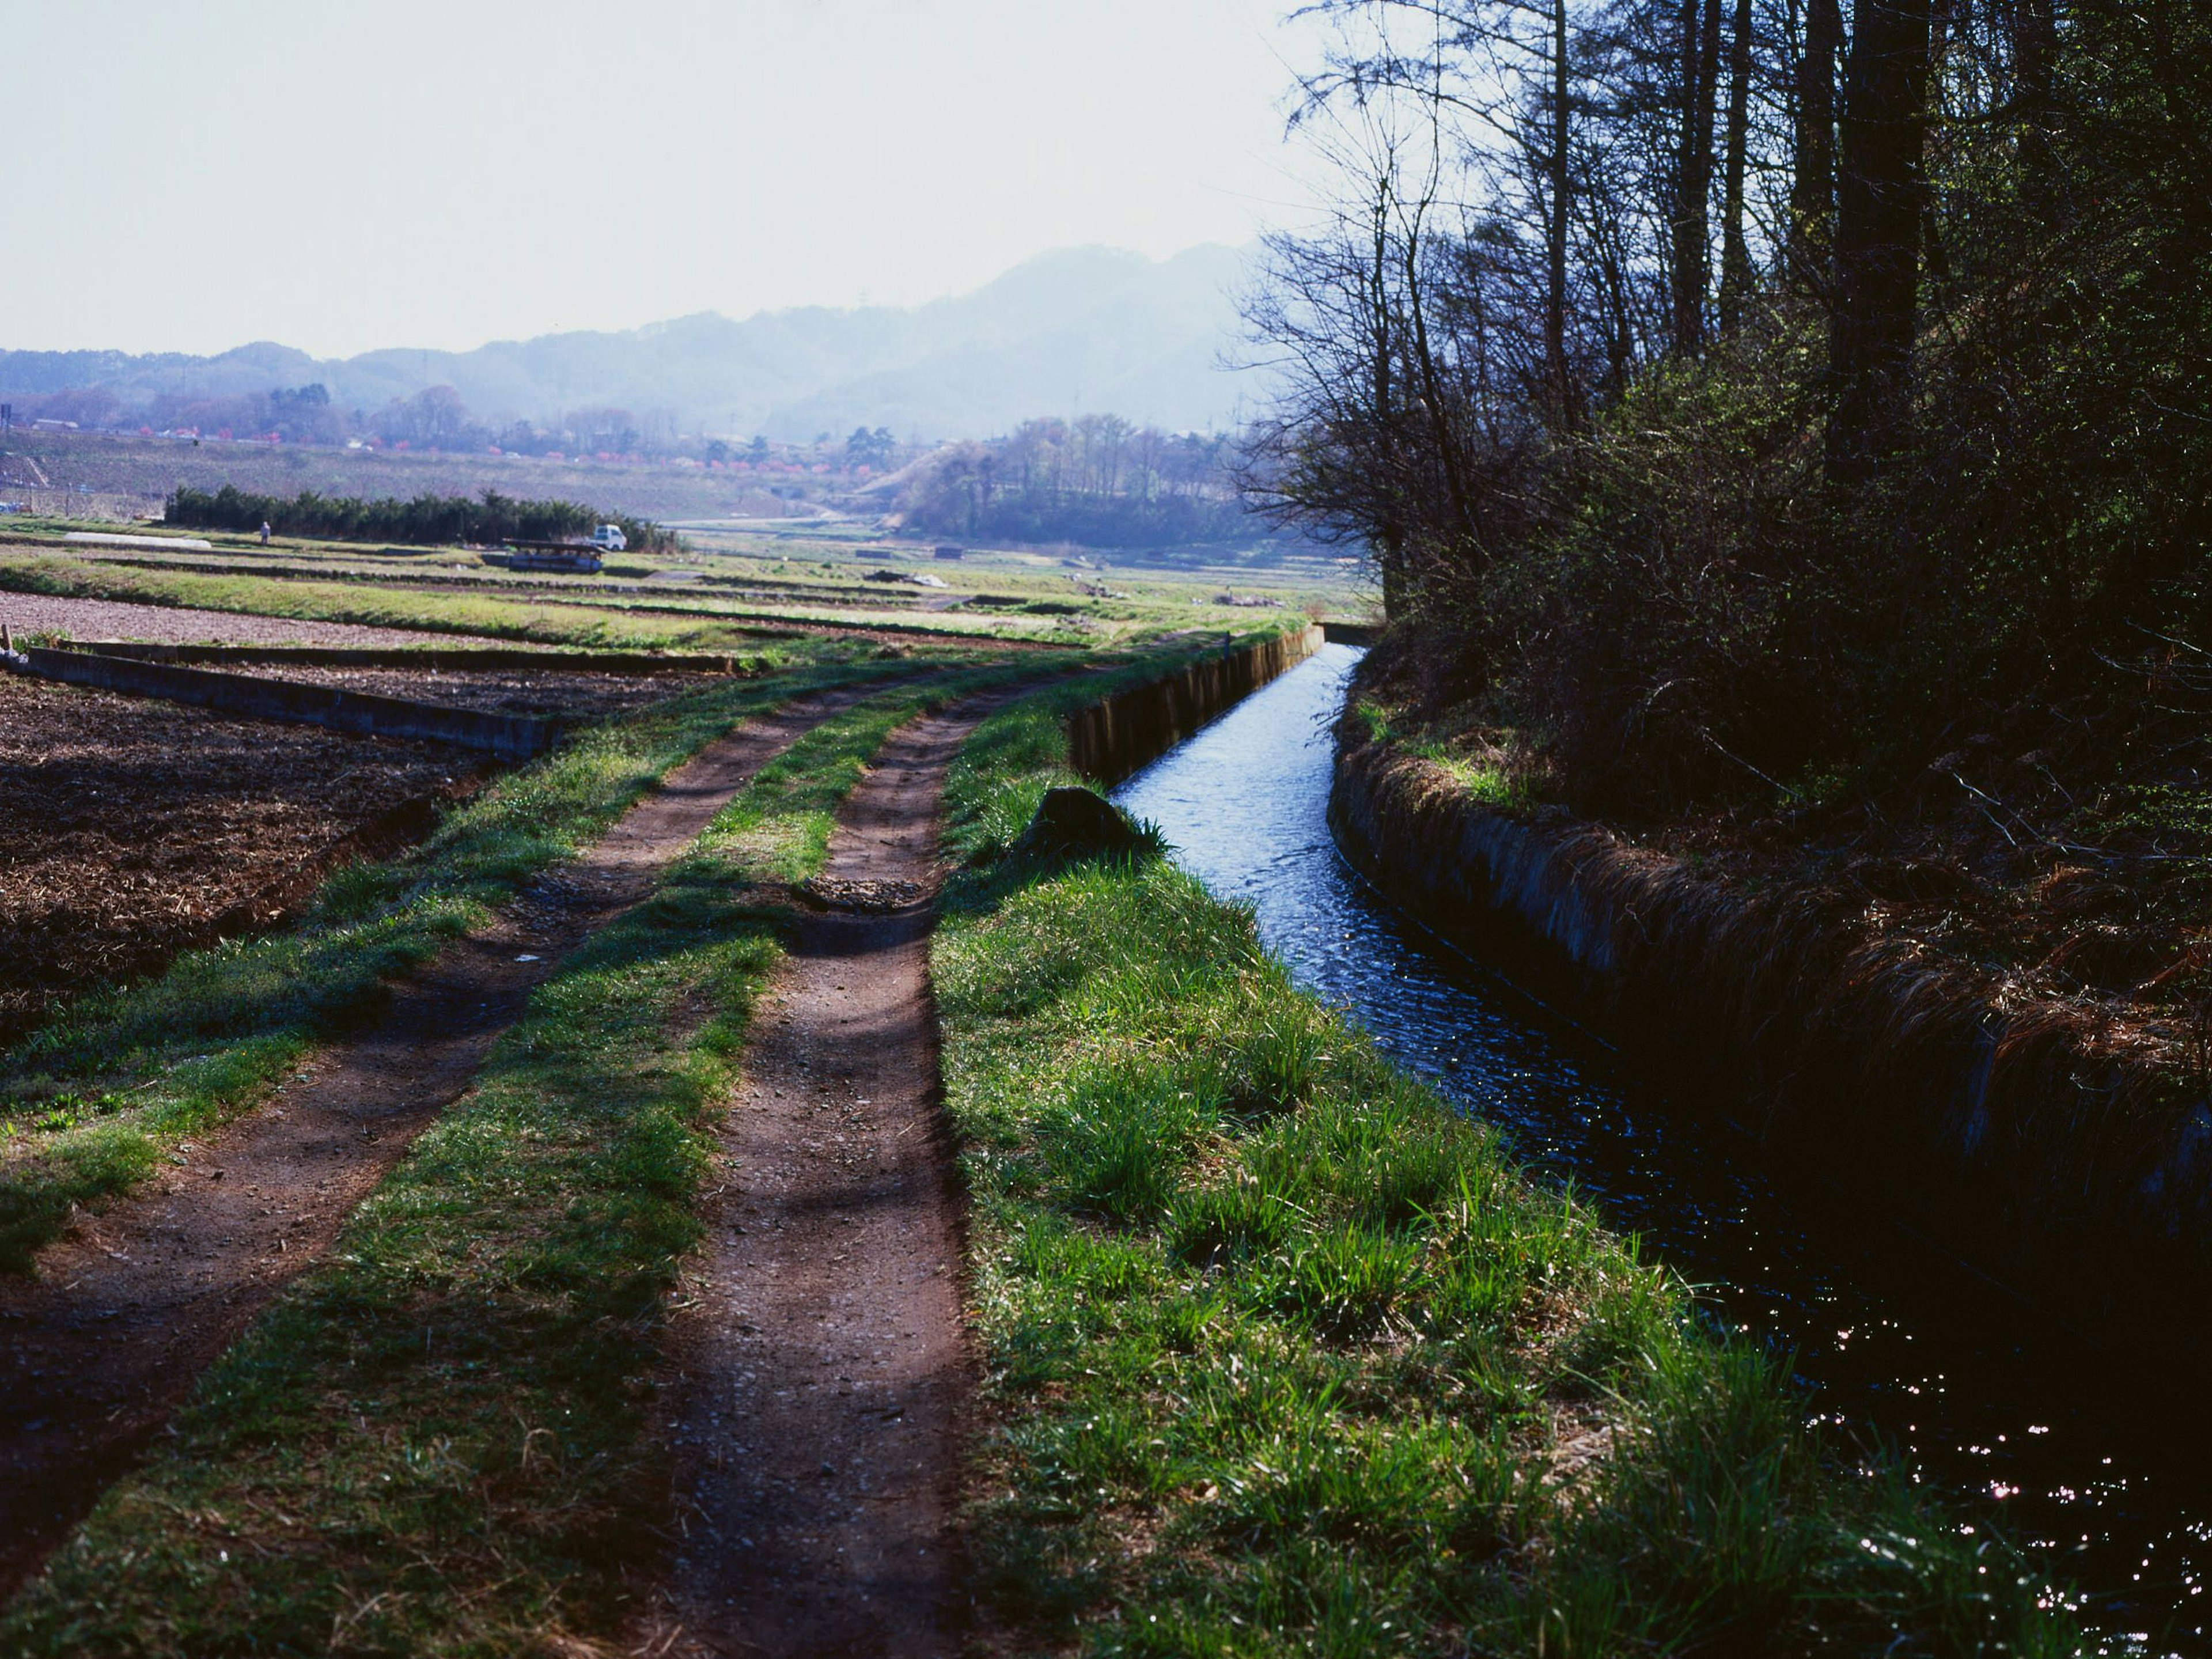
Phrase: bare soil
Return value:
(161, 624)
(98, 1350)
(822, 1362)
(130, 830)
(502, 691)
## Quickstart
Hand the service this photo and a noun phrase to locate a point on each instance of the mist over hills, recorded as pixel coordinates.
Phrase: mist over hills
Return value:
(1072, 332)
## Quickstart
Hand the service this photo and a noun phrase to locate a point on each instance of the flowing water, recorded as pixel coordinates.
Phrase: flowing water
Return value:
(2095, 1459)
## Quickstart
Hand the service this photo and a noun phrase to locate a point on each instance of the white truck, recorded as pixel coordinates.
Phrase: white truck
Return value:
(608, 538)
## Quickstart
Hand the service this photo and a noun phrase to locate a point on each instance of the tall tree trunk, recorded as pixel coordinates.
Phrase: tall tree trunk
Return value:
(1878, 218)
(1735, 251)
(1709, 105)
(1555, 293)
(1813, 181)
(1388, 544)
(1688, 284)
(2034, 44)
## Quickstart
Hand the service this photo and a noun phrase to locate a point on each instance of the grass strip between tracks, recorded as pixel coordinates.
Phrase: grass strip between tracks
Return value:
(434, 1443)
(1283, 1356)
(89, 1104)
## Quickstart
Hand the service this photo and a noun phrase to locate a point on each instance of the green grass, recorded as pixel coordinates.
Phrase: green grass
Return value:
(611, 626)
(1282, 1356)
(92, 1103)
(777, 832)
(1483, 782)
(373, 606)
(433, 1443)
(437, 1442)
(536, 611)
(332, 581)
(1484, 777)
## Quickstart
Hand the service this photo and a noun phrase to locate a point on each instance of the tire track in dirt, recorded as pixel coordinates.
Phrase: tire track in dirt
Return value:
(98, 1350)
(822, 1365)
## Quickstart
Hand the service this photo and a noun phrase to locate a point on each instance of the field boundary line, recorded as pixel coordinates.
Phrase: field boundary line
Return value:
(511, 736)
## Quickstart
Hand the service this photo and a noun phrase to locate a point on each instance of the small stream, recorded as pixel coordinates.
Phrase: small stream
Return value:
(2097, 1461)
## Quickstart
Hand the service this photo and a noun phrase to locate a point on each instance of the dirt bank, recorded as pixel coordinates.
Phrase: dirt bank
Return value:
(822, 1361)
(124, 1314)
(2034, 1134)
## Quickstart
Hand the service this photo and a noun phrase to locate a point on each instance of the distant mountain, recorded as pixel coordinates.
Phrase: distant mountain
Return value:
(1069, 332)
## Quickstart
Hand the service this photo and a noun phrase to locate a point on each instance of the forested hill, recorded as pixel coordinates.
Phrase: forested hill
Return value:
(1078, 330)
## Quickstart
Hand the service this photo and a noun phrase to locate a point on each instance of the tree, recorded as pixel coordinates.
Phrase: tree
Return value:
(1813, 172)
(875, 449)
(1558, 206)
(434, 417)
(1735, 248)
(1880, 205)
(1692, 227)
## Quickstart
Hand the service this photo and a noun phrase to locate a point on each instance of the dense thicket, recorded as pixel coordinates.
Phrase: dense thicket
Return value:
(1098, 480)
(1730, 391)
(425, 521)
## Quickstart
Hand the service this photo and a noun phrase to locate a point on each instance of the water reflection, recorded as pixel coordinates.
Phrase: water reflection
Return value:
(1977, 1389)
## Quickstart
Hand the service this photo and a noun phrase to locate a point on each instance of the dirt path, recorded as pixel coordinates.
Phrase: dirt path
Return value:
(98, 1351)
(824, 1367)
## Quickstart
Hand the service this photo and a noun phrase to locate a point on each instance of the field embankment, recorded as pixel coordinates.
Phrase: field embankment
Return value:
(29, 611)
(2039, 1128)
(1281, 1355)
(299, 702)
(529, 614)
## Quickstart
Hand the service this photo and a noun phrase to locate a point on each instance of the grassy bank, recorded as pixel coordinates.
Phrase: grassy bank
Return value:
(2018, 921)
(437, 1442)
(1282, 1356)
(90, 1103)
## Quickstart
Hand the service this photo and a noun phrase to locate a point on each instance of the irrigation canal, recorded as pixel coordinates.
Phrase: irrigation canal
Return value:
(2096, 1460)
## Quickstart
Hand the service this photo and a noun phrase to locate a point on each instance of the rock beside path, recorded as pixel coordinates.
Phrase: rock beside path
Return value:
(1074, 823)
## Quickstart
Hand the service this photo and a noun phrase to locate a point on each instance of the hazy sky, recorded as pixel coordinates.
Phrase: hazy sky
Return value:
(440, 173)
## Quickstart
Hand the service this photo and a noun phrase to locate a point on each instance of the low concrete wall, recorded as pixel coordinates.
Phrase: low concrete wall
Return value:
(426, 657)
(511, 736)
(1110, 740)
(2031, 1137)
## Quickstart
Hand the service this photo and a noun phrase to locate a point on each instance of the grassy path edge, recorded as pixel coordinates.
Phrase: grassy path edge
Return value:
(1283, 1356)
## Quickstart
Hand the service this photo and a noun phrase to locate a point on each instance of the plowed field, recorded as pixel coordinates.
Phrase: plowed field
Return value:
(130, 830)
(112, 619)
(499, 691)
